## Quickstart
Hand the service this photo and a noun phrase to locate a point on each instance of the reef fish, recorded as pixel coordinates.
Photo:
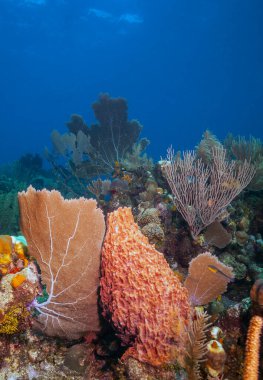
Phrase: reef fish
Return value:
(214, 269)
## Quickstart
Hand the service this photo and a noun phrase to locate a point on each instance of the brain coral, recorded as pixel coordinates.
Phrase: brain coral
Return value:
(154, 232)
(142, 297)
(150, 215)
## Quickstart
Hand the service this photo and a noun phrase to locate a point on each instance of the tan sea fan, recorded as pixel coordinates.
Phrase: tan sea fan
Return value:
(207, 278)
(216, 235)
(65, 237)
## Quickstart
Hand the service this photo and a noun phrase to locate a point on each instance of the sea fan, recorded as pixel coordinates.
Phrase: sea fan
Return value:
(207, 279)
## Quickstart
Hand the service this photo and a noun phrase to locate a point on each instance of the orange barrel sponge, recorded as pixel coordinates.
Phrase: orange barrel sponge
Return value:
(140, 294)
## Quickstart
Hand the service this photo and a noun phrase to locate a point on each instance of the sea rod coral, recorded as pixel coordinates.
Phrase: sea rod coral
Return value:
(140, 294)
(65, 238)
(252, 357)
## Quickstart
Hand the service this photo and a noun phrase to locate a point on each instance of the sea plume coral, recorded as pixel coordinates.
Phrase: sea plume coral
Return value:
(142, 297)
(248, 149)
(201, 192)
(197, 343)
(206, 145)
(65, 238)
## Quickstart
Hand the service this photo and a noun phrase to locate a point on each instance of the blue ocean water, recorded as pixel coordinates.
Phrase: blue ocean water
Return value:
(183, 65)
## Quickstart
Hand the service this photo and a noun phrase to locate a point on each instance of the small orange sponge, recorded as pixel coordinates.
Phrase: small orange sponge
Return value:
(140, 294)
(17, 280)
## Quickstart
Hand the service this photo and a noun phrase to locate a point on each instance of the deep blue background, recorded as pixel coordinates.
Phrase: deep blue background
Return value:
(183, 65)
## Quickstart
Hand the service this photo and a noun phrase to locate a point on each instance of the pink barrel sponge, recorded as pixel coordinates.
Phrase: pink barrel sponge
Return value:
(140, 294)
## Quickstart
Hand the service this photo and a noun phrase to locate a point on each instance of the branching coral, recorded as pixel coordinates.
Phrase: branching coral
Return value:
(94, 150)
(251, 150)
(114, 136)
(206, 145)
(201, 192)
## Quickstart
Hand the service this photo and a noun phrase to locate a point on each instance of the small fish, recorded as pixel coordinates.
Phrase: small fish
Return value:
(214, 269)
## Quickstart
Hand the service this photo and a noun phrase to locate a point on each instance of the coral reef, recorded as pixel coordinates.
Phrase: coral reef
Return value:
(31, 356)
(154, 327)
(133, 369)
